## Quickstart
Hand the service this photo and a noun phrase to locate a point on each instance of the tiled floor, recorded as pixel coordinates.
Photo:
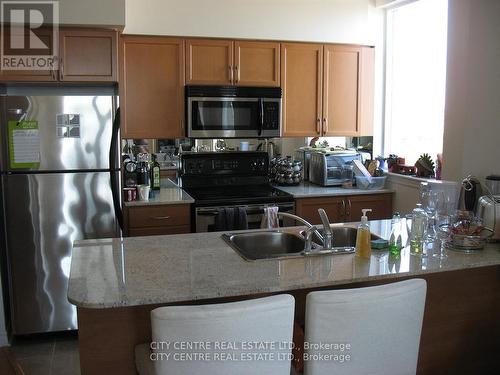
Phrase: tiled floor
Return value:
(50, 354)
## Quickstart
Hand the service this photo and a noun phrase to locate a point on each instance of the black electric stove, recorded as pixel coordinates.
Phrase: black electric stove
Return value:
(228, 179)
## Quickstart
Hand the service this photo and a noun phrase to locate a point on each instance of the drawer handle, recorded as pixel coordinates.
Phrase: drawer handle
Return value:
(160, 217)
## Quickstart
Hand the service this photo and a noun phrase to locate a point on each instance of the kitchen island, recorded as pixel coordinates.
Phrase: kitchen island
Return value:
(115, 283)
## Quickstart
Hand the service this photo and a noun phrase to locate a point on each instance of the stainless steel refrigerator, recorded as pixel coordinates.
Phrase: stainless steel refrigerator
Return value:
(60, 183)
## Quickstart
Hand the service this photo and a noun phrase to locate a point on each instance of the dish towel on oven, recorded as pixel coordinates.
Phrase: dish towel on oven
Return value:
(231, 218)
(270, 219)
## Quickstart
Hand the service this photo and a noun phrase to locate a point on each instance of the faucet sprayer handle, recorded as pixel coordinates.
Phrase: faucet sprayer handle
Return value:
(325, 221)
(328, 237)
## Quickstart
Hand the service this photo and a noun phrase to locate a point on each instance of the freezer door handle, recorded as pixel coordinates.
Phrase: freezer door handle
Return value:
(114, 176)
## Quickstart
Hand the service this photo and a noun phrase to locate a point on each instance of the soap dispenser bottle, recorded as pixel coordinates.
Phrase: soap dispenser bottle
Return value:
(363, 238)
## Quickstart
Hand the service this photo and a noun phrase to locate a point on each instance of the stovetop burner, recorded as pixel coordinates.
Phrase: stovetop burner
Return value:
(238, 195)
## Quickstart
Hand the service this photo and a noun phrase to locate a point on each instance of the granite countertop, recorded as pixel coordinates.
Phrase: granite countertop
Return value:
(308, 190)
(134, 271)
(169, 193)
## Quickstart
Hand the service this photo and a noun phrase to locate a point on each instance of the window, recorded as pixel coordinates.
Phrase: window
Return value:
(416, 40)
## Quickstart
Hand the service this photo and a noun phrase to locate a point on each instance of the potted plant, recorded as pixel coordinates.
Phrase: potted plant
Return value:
(425, 166)
(393, 161)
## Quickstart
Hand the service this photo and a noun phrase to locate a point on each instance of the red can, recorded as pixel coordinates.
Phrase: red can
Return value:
(130, 194)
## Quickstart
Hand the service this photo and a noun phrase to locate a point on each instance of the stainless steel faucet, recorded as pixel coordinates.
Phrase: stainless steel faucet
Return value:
(327, 229)
(327, 239)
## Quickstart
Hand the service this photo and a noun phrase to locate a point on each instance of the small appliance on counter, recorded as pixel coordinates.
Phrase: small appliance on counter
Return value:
(493, 184)
(488, 208)
(489, 211)
(332, 168)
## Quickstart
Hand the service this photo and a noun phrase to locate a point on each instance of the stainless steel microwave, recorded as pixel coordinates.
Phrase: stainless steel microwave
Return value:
(233, 112)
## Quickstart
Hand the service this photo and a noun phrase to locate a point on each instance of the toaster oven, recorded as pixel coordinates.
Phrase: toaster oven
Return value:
(332, 168)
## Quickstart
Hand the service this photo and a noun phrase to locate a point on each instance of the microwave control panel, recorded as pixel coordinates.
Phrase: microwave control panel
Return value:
(271, 115)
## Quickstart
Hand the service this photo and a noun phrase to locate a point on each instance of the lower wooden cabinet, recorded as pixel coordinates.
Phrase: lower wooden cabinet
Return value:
(157, 220)
(345, 208)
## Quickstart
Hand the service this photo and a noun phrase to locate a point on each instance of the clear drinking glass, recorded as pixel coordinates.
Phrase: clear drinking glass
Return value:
(442, 222)
(432, 202)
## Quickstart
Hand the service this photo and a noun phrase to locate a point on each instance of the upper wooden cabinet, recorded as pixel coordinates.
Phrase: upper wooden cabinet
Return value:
(347, 90)
(256, 63)
(301, 81)
(88, 55)
(209, 62)
(341, 90)
(344, 104)
(85, 55)
(226, 62)
(45, 35)
(152, 87)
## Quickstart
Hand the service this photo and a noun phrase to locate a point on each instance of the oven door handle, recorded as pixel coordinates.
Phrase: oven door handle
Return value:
(261, 116)
(251, 210)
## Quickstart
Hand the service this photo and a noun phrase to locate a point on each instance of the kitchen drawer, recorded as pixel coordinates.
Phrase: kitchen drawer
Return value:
(159, 216)
(155, 231)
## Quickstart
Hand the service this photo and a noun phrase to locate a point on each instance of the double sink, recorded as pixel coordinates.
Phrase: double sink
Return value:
(279, 244)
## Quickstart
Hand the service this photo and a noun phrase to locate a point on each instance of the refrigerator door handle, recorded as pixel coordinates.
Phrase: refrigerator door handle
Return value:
(115, 184)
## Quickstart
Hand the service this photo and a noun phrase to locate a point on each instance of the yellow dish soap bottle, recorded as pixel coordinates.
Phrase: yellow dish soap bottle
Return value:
(363, 238)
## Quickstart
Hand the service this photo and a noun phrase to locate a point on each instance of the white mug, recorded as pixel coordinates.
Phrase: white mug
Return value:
(143, 191)
(244, 146)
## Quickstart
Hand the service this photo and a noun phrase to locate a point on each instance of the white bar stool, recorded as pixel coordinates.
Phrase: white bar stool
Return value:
(227, 332)
(382, 325)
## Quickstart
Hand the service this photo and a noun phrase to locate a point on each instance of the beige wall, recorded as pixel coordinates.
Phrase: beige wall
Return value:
(349, 21)
(472, 119)
(92, 12)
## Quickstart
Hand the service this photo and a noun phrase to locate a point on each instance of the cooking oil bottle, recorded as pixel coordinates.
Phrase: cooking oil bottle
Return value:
(363, 239)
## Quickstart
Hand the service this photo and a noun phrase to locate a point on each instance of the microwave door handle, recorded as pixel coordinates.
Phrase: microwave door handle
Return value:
(261, 116)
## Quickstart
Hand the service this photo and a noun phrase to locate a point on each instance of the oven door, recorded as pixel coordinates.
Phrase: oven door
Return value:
(229, 117)
(205, 216)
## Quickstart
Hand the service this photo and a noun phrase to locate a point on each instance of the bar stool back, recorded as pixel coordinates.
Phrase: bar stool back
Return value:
(382, 325)
(220, 339)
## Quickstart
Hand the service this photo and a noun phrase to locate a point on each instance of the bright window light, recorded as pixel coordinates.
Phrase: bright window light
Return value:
(415, 79)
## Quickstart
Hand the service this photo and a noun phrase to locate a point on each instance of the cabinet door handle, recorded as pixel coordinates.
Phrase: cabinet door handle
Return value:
(182, 124)
(325, 125)
(61, 69)
(237, 71)
(343, 212)
(160, 217)
(318, 125)
(230, 74)
(349, 204)
(53, 70)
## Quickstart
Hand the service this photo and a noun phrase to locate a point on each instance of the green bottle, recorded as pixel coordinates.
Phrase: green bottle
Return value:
(155, 173)
(395, 240)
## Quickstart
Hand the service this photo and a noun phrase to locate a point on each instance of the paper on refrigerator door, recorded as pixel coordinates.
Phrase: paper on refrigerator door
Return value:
(24, 144)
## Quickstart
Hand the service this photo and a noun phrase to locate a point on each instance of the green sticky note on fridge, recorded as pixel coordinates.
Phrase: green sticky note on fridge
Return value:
(24, 144)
